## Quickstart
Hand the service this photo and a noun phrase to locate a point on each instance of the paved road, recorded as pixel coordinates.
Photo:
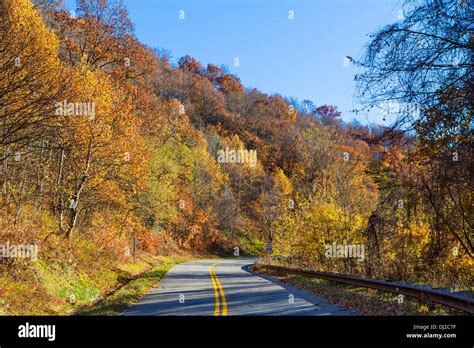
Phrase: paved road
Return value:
(226, 287)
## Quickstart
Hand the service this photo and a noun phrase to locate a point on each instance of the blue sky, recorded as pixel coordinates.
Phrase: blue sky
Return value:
(300, 57)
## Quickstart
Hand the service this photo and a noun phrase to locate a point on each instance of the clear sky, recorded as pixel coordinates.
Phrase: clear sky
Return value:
(300, 57)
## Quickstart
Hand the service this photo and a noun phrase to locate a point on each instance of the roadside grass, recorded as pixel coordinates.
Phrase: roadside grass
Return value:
(93, 285)
(362, 300)
(130, 292)
(83, 275)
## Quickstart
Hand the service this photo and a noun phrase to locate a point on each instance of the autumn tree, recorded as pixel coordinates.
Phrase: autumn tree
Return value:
(30, 75)
(226, 83)
(189, 64)
(421, 68)
(409, 62)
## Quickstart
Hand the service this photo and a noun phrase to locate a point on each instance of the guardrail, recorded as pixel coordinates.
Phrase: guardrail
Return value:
(422, 293)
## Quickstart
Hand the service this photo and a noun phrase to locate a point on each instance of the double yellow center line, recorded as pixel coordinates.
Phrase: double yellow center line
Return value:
(216, 284)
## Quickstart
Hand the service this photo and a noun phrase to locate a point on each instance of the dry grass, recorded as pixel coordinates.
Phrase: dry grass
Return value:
(361, 300)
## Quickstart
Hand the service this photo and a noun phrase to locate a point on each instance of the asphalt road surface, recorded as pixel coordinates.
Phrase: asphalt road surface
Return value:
(227, 287)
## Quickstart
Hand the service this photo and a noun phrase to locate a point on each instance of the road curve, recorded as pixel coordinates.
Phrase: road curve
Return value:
(226, 287)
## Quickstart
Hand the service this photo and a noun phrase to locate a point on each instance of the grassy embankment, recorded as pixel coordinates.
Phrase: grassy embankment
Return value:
(100, 287)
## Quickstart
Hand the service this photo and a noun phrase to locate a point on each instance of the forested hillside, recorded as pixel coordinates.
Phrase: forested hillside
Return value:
(108, 149)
